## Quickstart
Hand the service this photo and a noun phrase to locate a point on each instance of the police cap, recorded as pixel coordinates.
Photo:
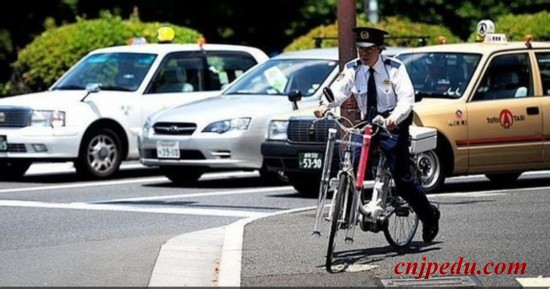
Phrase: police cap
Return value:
(368, 36)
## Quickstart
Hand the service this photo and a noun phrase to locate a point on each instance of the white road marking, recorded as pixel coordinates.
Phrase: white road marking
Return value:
(468, 195)
(207, 194)
(126, 208)
(83, 185)
(210, 176)
(534, 282)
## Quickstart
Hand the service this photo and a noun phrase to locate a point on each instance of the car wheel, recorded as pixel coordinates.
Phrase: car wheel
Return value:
(100, 154)
(306, 185)
(431, 170)
(13, 169)
(503, 179)
(181, 176)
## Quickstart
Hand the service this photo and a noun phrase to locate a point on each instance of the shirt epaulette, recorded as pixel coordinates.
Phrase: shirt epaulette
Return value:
(392, 63)
(353, 64)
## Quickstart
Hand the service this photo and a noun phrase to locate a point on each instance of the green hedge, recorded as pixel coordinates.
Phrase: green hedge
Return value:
(52, 53)
(517, 26)
(396, 27)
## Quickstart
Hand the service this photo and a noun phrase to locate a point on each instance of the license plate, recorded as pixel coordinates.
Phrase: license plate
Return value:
(168, 150)
(3, 143)
(310, 160)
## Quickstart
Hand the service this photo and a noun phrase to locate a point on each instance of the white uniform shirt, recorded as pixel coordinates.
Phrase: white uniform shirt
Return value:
(393, 87)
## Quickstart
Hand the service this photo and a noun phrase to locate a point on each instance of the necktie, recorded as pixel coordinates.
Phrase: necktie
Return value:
(371, 96)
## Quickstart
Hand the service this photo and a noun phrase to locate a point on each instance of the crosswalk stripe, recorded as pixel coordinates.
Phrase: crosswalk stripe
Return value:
(137, 209)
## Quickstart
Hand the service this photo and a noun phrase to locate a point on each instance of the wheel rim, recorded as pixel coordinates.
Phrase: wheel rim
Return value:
(429, 167)
(102, 153)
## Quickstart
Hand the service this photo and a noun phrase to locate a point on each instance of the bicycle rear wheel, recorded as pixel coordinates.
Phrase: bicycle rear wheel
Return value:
(401, 221)
(337, 218)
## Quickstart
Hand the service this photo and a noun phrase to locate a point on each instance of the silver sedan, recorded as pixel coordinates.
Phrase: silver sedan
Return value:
(226, 132)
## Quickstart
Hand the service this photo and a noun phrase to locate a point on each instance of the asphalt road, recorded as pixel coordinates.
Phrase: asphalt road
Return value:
(479, 225)
(233, 230)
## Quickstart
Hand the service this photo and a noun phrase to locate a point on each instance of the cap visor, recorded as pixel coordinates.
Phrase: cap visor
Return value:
(364, 44)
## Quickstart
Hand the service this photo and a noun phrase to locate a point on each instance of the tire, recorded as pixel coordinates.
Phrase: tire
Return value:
(100, 154)
(13, 169)
(507, 179)
(272, 178)
(306, 185)
(431, 171)
(182, 176)
(335, 219)
(401, 222)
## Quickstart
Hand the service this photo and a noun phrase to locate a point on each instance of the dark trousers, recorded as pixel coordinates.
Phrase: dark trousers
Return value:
(396, 151)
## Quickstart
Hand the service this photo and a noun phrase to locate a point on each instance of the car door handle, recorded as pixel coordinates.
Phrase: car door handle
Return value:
(533, 110)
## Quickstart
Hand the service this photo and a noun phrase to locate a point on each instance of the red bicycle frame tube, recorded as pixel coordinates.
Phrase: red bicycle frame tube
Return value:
(367, 135)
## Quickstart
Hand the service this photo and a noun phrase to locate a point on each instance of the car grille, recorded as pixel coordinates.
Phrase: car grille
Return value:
(15, 116)
(305, 130)
(174, 128)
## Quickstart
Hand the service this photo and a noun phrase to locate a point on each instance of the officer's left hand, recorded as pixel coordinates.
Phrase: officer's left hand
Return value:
(390, 123)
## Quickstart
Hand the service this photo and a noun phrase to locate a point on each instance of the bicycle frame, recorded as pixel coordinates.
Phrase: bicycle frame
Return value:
(346, 168)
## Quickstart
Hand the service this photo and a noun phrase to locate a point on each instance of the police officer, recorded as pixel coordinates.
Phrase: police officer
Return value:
(381, 86)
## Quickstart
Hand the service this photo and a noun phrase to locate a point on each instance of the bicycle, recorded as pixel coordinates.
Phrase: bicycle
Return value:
(384, 211)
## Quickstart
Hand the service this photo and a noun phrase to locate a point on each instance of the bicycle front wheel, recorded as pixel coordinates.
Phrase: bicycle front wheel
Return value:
(337, 217)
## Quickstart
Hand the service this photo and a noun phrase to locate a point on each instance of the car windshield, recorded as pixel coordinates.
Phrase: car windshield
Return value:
(440, 75)
(281, 76)
(111, 71)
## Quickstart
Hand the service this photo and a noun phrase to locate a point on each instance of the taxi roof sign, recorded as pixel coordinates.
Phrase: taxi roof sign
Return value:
(495, 38)
(485, 27)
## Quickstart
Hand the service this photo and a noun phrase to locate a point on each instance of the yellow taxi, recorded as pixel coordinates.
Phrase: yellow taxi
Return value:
(490, 104)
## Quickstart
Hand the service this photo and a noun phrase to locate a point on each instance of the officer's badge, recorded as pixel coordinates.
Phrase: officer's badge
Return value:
(387, 82)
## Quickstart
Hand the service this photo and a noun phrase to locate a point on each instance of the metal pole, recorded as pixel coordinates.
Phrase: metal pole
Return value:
(346, 51)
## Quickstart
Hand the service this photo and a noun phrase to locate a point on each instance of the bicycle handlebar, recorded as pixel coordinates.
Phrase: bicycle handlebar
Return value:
(378, 122)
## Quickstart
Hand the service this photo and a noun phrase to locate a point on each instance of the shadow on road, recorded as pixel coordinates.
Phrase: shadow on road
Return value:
(229, 182)
(370, 255)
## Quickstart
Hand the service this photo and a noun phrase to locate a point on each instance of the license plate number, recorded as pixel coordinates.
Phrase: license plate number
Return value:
(310, 160)
(3, 143)
(168, 150)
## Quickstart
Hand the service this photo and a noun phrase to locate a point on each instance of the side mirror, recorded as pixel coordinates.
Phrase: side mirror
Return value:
(328, 94)
(295, 96)
(91, 88)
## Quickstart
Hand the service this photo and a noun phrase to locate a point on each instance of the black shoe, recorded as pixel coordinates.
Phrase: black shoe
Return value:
(430, 230)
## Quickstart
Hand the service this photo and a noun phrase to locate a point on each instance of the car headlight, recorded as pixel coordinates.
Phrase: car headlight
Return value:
(147, 125)
(45, 118)
(223, 126)
(277, 130)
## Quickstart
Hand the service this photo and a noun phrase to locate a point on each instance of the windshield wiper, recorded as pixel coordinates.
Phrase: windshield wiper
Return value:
(115, 88)
(69, 87)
